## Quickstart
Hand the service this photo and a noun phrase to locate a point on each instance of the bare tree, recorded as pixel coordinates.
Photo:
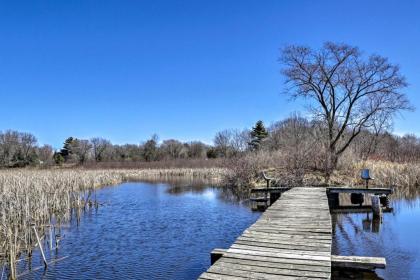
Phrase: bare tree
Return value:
(99, 147)
(367, 142)
(387, 148)
(28, 144)
(128, 152)
(222, 143)
(197, 149)
(295, 137)
(240, 140)
(409, 148)
(9, 146)
(17, 149)
(45, 154)
(173, 149)
(231, 142)
(81, 149)
(347, 91)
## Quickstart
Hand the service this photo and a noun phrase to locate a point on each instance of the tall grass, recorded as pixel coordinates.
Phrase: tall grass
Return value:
(393, 174)
(385, 174)
(47, 198)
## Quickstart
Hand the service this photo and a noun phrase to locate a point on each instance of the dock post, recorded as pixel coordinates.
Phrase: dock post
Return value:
(266, 192)
(267, 179)
(274, 197)
(333, 200)
(376, 206)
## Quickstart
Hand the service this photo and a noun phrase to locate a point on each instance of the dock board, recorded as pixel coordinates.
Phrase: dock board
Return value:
(291, 240)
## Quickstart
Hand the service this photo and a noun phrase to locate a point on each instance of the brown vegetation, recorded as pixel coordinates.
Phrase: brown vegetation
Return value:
(161, 164)
(46, 199)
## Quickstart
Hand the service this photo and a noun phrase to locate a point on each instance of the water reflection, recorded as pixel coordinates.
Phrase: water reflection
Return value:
(166, 231)
(145, 231)
(352, 274)
(394, 236)
(180, 186)
(408, 194)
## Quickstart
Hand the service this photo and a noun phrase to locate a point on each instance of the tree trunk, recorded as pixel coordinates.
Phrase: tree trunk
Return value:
(330, 162)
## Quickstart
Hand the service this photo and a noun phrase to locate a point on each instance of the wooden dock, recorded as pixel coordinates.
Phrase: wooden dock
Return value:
(384, 191)
(291, 240)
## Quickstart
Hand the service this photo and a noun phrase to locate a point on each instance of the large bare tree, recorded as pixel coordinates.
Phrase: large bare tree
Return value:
(347, 90)
(81, 149)
(100, 147)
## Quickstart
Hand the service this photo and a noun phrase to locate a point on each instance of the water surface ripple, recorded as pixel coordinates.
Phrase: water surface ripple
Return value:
(145, 232)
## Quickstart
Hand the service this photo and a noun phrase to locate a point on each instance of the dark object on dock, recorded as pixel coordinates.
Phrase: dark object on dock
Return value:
(357, 198)
(365, 175)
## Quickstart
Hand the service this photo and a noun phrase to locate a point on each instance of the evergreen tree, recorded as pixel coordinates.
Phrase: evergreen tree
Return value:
(67, 149)
(258, 134)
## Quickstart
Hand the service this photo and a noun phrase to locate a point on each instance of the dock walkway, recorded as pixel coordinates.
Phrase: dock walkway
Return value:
(291, 240)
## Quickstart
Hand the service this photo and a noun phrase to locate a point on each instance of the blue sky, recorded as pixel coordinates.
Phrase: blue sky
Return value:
(182, 69)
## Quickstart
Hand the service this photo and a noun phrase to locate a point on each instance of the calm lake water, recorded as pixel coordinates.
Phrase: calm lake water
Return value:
(166, 231)
(147, 231)
(396, 237)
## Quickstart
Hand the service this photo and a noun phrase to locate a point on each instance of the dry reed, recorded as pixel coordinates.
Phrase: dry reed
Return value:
(46, 199)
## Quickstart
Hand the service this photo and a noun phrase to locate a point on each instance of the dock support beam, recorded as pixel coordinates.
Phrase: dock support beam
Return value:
(274, 197)
(334, 200)
(376, 206)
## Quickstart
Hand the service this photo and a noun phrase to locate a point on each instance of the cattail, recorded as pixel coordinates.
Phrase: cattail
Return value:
(45, 199)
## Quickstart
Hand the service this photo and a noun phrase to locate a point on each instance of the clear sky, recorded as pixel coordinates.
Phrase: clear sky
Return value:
(124, 70)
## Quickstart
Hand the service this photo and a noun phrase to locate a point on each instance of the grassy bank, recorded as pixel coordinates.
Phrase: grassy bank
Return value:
(246, 173)
(384, 174)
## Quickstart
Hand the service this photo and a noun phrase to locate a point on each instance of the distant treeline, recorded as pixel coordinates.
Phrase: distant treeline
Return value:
(298, 139)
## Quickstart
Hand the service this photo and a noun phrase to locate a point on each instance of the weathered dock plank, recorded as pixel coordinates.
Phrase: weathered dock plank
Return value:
(357, 262)
(291, 240)
(359, 190)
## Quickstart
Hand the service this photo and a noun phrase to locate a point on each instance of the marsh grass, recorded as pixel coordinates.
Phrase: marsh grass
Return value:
(48, 199)
(386, 174)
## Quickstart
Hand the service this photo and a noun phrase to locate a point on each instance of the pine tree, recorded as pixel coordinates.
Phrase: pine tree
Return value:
(67, 151)
(258, 134)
